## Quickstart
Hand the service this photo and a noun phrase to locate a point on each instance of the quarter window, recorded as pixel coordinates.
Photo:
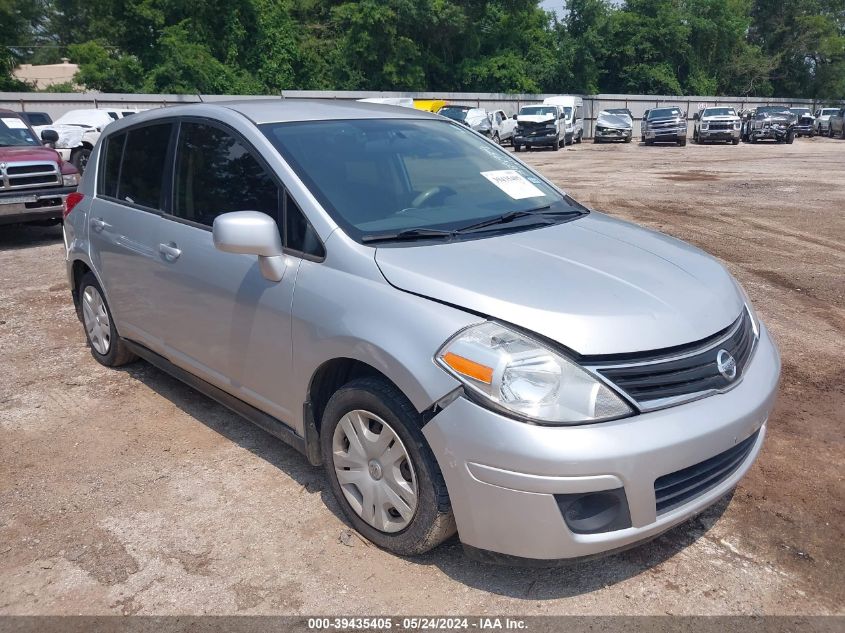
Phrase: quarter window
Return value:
(216, 174)
(299, 234)
(113, 149)
(142, 169)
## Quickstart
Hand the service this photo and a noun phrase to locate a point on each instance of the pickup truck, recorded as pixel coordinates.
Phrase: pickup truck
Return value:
(34, 179)
(503, 127)
(836, 124)
(771, 122)
(664, 125)
(539, 125)
(79, 130)
(716, 124)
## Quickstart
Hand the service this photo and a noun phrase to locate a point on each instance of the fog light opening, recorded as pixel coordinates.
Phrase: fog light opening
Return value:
(595, 512)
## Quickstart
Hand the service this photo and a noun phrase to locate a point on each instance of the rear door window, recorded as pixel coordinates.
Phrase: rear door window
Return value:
(142, 168)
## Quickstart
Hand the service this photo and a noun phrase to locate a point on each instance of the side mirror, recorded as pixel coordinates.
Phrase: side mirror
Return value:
(49, 137)
(251, 233)
(695, 117)
(514, 117)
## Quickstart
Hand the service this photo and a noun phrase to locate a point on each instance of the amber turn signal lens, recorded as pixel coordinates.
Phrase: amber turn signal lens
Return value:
(465, 366)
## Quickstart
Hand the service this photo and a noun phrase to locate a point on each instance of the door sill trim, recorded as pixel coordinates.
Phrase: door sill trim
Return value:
(268, 423)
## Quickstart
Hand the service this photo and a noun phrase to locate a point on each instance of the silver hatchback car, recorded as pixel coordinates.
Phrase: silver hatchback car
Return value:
(460, 344)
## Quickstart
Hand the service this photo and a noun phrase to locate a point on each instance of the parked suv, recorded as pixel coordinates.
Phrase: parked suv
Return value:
(458, 342)
(34, 180)
(716, 124)
(664, 125)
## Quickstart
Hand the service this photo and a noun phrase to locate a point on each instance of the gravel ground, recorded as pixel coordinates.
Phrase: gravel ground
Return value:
(123, 491)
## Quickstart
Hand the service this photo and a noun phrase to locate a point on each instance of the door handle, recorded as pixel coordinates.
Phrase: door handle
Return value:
(170, 252)
(99, 224)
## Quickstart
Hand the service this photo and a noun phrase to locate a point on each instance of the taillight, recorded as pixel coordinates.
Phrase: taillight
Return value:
(71, 201)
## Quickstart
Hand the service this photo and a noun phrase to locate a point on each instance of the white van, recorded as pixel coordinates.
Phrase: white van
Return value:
(573, 108)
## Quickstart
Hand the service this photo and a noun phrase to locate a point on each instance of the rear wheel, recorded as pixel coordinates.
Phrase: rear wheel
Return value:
(578, 138)
(382, 471)
(106, 346)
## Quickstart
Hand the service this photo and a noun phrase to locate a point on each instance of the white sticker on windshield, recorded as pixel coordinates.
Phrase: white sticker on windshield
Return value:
(513, 183)
(13, 123)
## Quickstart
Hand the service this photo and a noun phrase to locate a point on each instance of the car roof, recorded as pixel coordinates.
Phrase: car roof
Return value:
(276, 110)
(287, 110)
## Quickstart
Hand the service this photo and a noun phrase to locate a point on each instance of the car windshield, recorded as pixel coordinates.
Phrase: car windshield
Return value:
(454, 113)
(534, 110)
(623, 111)
(772, 110)
(719, 112)
(800, 110)
(15, 133)
(827, 111)
(663, 113)
(385, 176)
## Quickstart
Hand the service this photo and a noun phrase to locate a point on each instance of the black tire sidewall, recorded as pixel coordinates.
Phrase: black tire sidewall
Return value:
(384, 400)
(109, 359)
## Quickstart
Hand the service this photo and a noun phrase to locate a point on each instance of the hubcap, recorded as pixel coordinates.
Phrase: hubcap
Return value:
(374, 471)
(96, 319)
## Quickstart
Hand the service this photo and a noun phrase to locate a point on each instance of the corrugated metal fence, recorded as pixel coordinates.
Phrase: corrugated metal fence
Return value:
(58, 103)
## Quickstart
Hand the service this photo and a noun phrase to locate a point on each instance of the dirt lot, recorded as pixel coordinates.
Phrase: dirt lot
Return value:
(127, 492)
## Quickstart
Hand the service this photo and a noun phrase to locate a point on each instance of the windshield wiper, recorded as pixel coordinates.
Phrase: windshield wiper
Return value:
(407, 234)
(510, 216)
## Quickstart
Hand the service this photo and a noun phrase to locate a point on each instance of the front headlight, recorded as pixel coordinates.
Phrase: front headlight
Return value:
(736, 125)
(70, 180)
(522, 376)
(705, 126)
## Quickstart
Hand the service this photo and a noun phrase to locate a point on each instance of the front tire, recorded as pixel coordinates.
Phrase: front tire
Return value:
(496, 139)
(106, 345)
(381, 469)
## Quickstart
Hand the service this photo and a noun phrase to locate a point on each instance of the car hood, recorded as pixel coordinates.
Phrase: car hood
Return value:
(28, 153)
(595, 285)
(719, 117)
(535, 118)
(608, 119)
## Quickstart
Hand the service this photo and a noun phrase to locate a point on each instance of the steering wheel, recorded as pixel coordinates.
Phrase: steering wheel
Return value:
(427, 195)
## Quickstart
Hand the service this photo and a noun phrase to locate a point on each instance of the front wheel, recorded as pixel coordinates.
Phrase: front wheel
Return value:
(382, 471)
(790, 138)
(517, 147)
(682, 141)
(735, 141)
(105, 343)
(496, 139)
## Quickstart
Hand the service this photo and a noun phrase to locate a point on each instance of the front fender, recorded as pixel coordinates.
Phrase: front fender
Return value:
(338, 314)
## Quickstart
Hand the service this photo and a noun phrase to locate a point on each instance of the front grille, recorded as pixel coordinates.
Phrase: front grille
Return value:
(28, 175)
(686, 372)
(727, 125)
(675, 489)
(661, 125)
